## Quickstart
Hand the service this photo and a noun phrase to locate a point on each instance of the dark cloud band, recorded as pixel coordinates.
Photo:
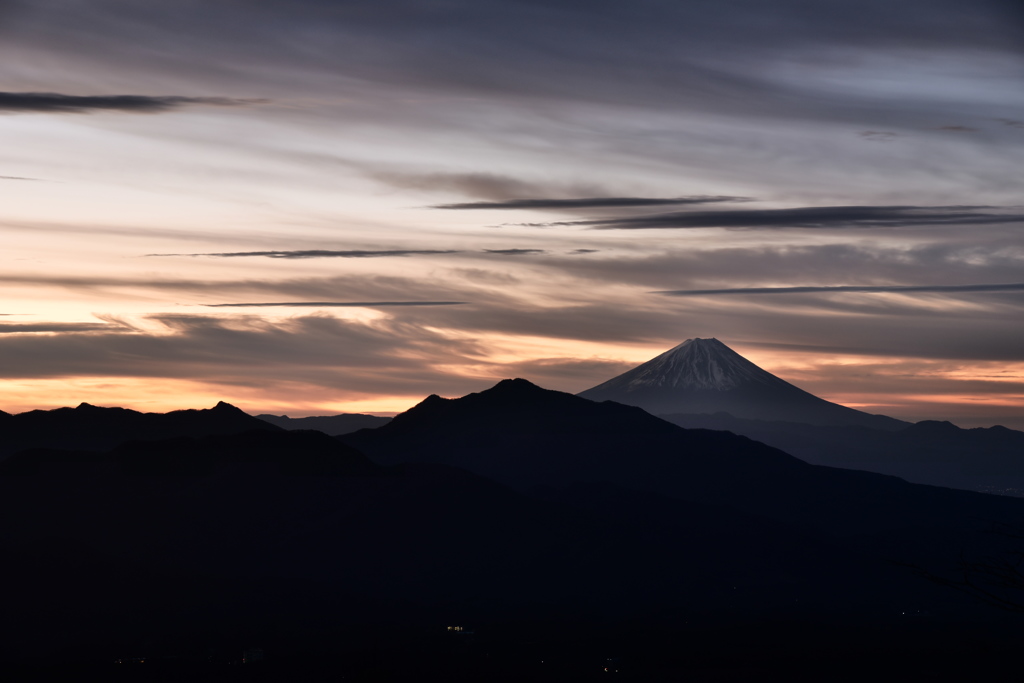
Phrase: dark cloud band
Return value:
(591, 203)
(47, 102)
(515, 252)
(339, 304)
(21, 328)
(816, 217)
(1011, 287)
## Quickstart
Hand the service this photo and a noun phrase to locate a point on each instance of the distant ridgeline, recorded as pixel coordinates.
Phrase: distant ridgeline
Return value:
(563, 531)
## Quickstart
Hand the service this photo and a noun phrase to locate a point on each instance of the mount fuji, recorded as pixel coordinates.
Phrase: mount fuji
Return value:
(706, 376)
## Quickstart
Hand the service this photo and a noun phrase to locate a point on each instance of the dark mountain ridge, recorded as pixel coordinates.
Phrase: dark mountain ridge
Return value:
(706, 376)
(525, 436)
(89, 427)
(292, 538)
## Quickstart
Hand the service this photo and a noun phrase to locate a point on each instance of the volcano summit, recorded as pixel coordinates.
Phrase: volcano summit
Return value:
(706, 376)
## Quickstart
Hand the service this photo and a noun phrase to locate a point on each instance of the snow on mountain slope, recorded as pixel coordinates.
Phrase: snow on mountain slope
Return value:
(706, 376)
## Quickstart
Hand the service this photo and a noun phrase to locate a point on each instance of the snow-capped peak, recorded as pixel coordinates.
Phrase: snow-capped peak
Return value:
(695, 364)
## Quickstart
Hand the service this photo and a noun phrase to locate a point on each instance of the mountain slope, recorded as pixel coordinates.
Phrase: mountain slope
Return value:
(706, 376)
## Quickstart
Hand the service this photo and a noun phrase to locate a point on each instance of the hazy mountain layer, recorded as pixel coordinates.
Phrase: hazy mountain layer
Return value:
(344, 423)
(930, 452)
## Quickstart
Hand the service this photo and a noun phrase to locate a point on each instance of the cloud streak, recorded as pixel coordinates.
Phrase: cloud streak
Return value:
(867, 289)
(339, 304)
(591, 203)
(323, 253)
(515, 252)
(57, 103)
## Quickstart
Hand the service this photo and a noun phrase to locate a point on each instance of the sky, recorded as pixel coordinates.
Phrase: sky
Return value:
(311, 207)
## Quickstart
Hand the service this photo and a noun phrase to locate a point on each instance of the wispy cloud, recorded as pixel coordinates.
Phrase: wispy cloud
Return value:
(878, 135)
(592, 202)
(17, 177)
(323, 253)
(515, 252)
(339, 304)
(1009, 287)
(56, 103)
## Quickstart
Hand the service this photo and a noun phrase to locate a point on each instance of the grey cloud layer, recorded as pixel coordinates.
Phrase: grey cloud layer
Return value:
(56, 103)
(387, 357)
(701, 53)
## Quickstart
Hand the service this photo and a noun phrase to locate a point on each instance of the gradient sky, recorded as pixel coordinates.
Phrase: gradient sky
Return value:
(313, 206)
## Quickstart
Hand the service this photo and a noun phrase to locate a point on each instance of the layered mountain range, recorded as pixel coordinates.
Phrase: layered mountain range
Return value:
(567, 531)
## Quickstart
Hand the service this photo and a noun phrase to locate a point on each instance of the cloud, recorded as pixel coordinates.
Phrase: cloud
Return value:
(591, 202)
(515, 252)
(56, 103)
(1013, 123)
(878, 135)
(384, 356)
(959, 257)
(814, 217)
(323, 253)
(936, 289)
(365, 288)
(475, 184)
(341, 304)
(16, 177)
(957, 129)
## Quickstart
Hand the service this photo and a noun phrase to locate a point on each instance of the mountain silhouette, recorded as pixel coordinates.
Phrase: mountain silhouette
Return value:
(542, 517)
(89, 427)
(526, 436)
(706, 376)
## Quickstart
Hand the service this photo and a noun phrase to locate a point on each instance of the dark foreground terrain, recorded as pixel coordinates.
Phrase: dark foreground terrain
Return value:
(515, 534)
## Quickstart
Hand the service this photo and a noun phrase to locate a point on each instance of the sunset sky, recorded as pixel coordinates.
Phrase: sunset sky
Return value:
(322, 206)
